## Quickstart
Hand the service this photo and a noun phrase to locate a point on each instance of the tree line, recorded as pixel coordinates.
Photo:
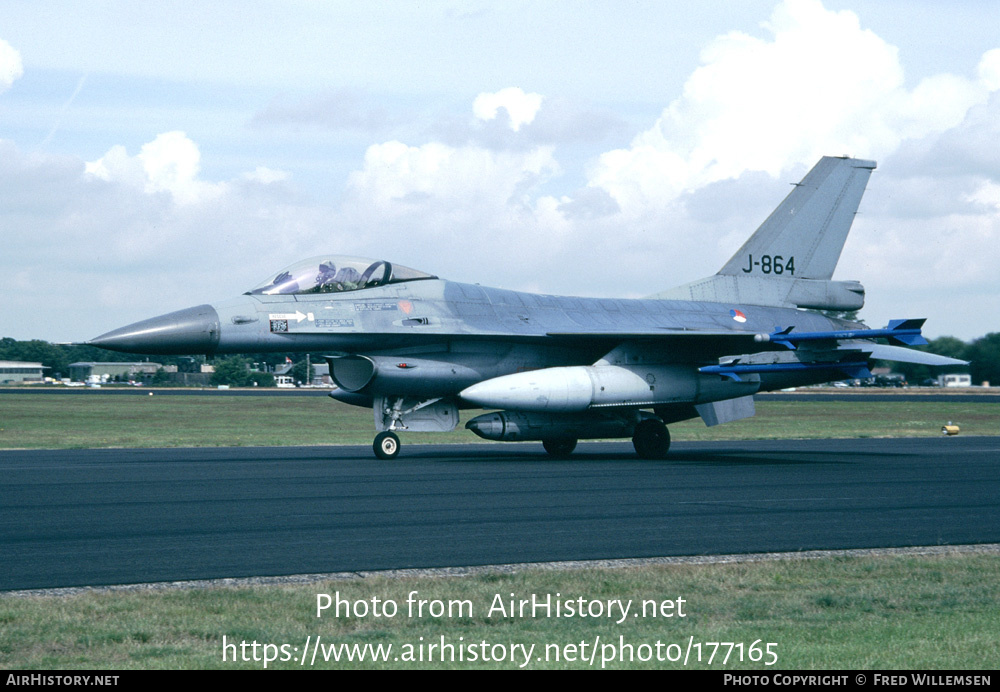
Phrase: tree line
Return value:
(235, 370)
(983, 354)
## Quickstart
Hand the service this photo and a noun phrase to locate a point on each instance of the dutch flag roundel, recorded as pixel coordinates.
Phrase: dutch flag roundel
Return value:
(737, 315)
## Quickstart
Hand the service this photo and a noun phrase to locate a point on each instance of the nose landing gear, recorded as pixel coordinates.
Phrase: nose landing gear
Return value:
(386, 445)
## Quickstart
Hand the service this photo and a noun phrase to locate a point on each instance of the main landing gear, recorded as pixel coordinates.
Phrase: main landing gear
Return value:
(561, 448)
(651, 439)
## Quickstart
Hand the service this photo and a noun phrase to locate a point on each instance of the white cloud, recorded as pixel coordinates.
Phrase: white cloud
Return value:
(521, 107)
(820, 84)
(483, 197)
(10, 65)
(928, 236)
(756, 109)
(941, 267)
(465, 213)
(170, 163)
(139, 235)
(989, 69)
(267, 176)
(987, 194)
(397, 174)
(339, 109)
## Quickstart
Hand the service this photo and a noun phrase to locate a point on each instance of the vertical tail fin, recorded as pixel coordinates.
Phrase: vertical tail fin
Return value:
(790, 258)
(809, 228)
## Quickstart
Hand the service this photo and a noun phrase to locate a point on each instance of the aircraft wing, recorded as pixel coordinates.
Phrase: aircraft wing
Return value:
(900, 331)
(828, 347)
(682, 343)
(658, 333)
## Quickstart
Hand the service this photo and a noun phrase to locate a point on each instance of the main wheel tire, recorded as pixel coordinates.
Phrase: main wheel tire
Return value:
(651, 439)
(386, 445)
(559, 448)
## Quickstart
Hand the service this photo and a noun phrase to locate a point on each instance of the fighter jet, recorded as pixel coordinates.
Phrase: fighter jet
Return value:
(417, 349)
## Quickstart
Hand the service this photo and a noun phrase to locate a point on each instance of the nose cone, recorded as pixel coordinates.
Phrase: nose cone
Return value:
(190, 331)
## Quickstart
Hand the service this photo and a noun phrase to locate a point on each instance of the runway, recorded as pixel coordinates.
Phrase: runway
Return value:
(97, 517)
(878, 395)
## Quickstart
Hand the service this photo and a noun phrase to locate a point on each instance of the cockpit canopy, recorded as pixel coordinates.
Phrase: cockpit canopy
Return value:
(336, 274)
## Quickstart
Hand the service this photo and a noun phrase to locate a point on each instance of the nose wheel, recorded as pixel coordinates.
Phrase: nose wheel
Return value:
(386, 445)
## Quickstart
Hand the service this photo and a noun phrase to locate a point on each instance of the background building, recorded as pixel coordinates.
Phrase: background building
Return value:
(955, 380)
(110, 372)
(16, 371)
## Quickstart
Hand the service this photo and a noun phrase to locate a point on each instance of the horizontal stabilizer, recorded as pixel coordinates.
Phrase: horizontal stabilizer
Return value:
(909, 355)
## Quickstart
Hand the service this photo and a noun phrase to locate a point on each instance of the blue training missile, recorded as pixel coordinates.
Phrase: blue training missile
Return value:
(898, 331)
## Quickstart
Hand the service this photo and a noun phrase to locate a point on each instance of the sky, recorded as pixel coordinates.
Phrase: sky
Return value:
(156, 156)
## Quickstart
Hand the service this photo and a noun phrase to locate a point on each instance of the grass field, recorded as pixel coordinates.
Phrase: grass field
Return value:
(886, 612)
(890, 612)
(80, 421)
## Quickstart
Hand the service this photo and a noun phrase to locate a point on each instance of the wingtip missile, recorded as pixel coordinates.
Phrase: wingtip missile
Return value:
(906, 332)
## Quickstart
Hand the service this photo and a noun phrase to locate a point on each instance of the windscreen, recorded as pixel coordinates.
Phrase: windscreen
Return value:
(336, 274)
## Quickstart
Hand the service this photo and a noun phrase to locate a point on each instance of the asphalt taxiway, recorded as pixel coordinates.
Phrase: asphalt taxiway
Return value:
(927, 395)
(94, 517)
